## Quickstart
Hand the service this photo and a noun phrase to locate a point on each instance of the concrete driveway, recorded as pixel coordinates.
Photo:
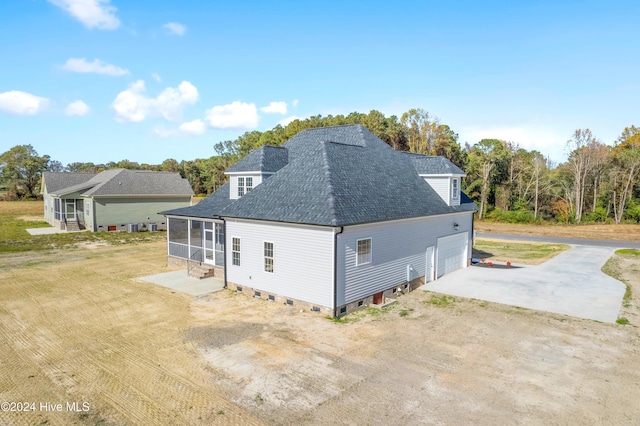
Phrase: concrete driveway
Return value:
(570, 283)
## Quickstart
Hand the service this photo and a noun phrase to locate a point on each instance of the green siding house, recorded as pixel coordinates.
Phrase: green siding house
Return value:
(114, 200)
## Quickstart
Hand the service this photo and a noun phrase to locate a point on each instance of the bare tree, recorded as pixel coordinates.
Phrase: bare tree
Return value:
(581, 146)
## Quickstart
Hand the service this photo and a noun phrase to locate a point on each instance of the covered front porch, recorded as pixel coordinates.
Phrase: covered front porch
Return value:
(193, 242)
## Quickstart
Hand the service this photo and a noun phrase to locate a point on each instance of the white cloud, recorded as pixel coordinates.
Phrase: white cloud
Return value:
(288, 120)
(295, 103)
(175, 28)
(97, 66)
(22, 103)
(92, 13)
(190, 128)
(77, 108)
(275, 107)
(195, 127)
(156, 77)
(134, 106)
(236, 115)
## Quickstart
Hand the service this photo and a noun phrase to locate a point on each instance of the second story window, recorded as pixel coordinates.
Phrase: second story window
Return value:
(240, 186)
(454, 188)
(245, 184)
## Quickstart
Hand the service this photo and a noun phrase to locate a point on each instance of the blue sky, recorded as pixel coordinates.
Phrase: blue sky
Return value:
(106, 80)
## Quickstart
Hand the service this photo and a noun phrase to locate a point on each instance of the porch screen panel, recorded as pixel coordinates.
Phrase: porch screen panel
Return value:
(57, 208)
(196, 233)
(178, 231)
(219, 245)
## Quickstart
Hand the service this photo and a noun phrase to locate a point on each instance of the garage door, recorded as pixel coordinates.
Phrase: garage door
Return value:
(452, 253)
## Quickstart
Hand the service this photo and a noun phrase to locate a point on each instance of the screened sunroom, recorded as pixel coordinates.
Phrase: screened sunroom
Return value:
(196, 240)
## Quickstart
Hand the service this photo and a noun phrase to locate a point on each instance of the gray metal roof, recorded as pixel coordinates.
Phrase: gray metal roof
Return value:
(336, 176)
(123, 182)
(54, 181)
(267, 158)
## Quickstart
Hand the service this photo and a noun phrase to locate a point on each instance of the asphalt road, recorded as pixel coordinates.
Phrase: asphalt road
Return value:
(544, 239)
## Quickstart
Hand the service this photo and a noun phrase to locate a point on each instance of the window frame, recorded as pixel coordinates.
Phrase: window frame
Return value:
(240, 186)
(369, 255)
(235, 254)
(268, 260)
(455, 188)
(248, 183)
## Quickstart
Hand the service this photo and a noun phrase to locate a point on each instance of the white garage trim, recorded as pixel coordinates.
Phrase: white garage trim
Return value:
(451, 253)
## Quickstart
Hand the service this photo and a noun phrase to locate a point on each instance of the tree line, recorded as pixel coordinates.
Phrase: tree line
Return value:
(597, 183)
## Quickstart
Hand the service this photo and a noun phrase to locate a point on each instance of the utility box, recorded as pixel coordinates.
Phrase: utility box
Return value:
(152, 227)
(132, 227)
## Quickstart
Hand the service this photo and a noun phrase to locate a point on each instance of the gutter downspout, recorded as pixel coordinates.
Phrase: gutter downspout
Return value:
(224, 256)
(335, 271)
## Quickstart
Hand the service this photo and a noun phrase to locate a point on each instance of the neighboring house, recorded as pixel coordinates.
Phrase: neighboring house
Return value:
(335, 219)
(114, 200)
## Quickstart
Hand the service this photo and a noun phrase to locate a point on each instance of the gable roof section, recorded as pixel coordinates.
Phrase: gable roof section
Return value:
(267, 158)
(54, 181)
(123, 182)
(433, 165)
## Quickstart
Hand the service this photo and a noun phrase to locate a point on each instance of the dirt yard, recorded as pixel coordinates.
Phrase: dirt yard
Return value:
(75, 325)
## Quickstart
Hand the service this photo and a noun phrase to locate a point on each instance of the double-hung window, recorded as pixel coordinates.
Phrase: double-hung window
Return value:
(245, 184)
(235, 251)
(268, 257)
(363, 253)
(455, 190)
(240, 186)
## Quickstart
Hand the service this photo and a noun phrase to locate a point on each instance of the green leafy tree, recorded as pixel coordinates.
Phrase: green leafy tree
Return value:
(626, 169)
(21, 169)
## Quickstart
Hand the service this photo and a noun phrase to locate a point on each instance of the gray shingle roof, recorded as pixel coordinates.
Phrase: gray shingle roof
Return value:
(426, 165)
(123, 182)
(55, 181)
(336, 176)
(208, 208)
(264, 159)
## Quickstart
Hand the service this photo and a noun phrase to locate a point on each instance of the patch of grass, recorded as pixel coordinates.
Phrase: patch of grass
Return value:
(440, 300)
(511, 250)
(362, 313)
(622, 320)
(258, 398)
(405, 312)
(613, 269)
(632, 252)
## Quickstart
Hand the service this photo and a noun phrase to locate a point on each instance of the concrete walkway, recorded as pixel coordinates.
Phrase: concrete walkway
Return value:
(180, 281)
(52, 230)
(570, 283)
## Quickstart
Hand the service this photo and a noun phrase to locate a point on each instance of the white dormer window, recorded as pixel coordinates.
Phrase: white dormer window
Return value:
(454, 188)
(245, 184)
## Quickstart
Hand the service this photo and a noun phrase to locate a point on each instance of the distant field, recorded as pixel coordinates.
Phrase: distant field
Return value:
(620, 232)
(17, 216)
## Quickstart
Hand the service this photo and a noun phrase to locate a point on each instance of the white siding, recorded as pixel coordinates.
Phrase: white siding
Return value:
(233, 184)
(455, 201)
(441, 185)
(394, 245)
(303, 259)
